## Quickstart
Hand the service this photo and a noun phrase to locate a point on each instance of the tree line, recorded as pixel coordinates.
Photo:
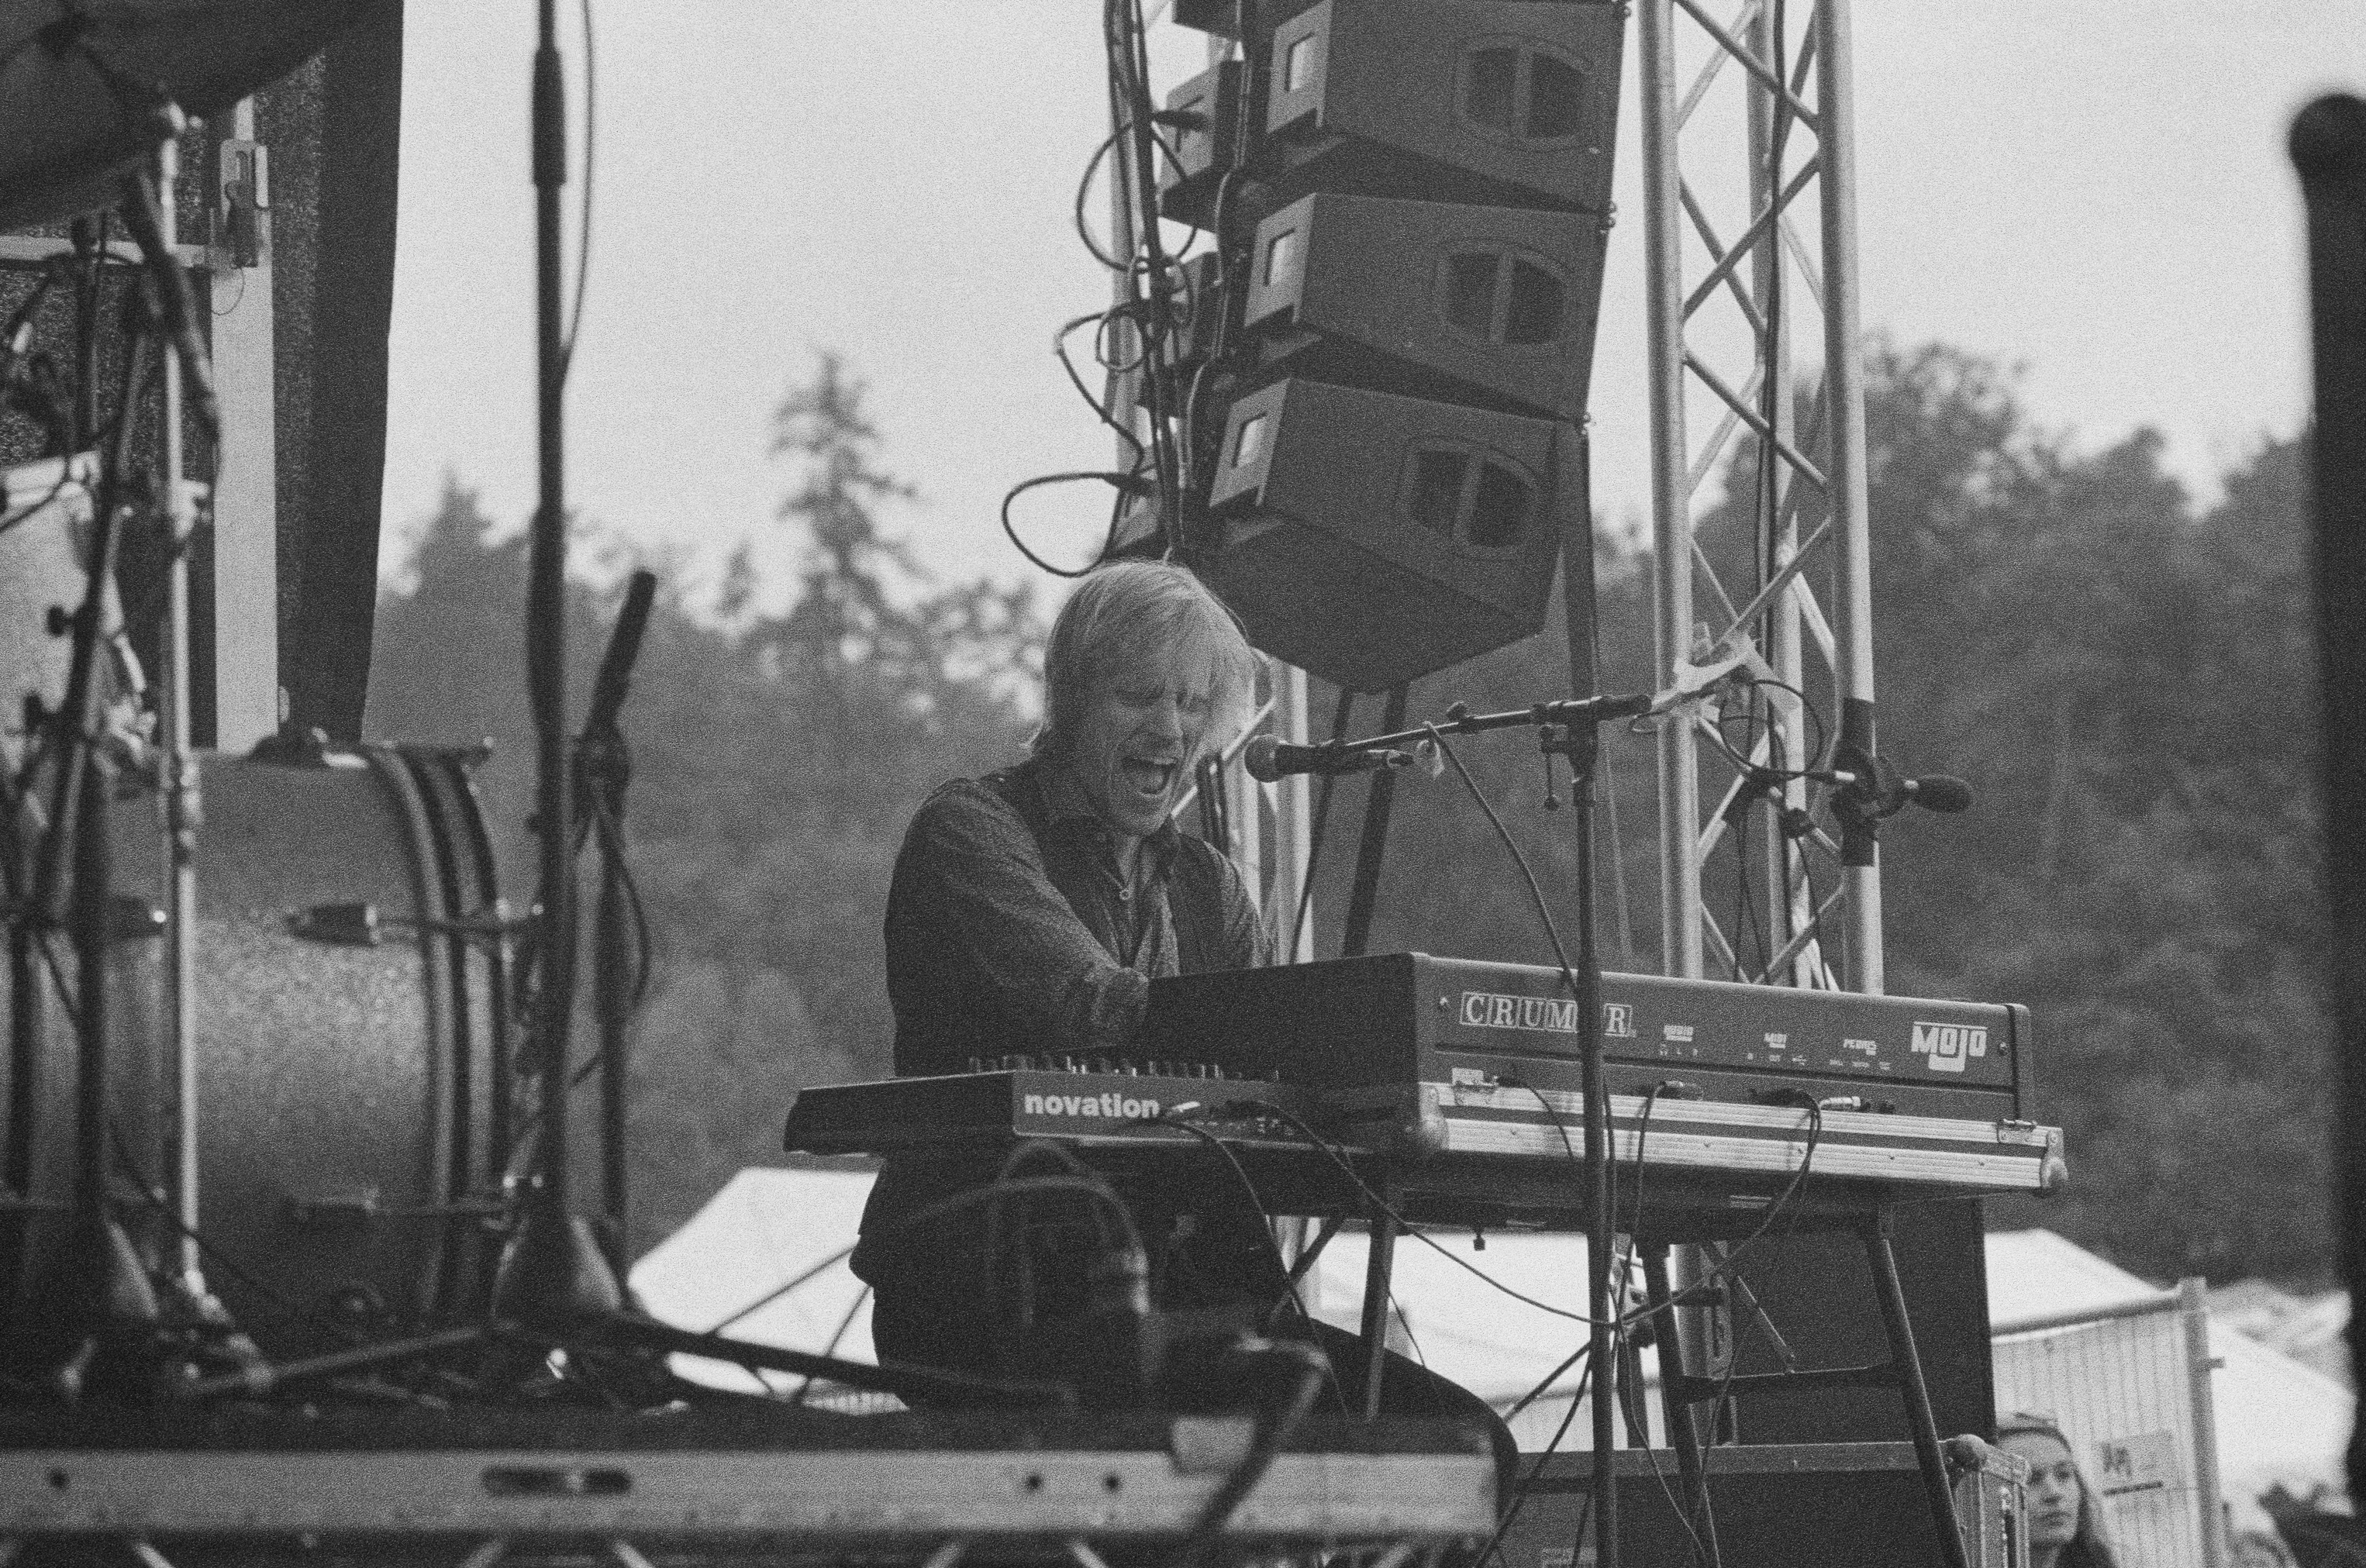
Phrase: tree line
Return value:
(2125, 677)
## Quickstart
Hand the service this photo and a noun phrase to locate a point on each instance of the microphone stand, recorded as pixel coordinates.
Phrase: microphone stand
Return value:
(98, 1335)
(1578, 737)
(554, 1279)
(552, 1275)
(1570, 728)
(1573, 713)
(151, 215)
(604, 771)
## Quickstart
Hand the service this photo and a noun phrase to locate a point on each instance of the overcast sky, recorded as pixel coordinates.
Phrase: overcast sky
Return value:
(2096, 191)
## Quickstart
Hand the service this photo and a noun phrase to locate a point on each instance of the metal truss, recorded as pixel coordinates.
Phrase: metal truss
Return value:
(1725, 280)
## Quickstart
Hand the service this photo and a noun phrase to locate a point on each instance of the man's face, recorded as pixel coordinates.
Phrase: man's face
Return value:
(1135, 742)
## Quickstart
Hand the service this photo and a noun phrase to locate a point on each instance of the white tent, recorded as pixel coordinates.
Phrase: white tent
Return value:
(2278, 1420)
(765, 1228)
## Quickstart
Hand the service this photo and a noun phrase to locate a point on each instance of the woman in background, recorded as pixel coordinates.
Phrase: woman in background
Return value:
(2065, 1527)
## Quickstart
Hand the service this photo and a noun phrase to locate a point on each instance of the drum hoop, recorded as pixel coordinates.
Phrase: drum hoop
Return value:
(456, 824)
(428, 897)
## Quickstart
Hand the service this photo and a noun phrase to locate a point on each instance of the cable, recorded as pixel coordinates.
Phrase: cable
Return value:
(583, 226)
(837, 1337)
(1330, 1151)
(1749, 719)
(1060, 352)
(1021, 1155)
(1124, 483)
(1526, 1483)
(1175, 1119)
(1622, 1266)
(1790, 1193)
(611, 845)
(1685, 1514)
(153, 1198)
(1745, 913)
(924, 1214)
(1273, 1430)
(1618, 842)
(1544, 1385)
(1536, 894)
(1084, 190)
(1265, 1221)
(794, 1282)
(1345, 711)
(1129, 116)
(1622, 1321)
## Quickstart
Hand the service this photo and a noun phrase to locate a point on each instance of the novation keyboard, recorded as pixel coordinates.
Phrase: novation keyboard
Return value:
(1422, 1127)
(1089, 1102)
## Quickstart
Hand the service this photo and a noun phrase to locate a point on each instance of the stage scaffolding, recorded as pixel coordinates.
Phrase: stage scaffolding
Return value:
(1767, 102)
(1721, 294)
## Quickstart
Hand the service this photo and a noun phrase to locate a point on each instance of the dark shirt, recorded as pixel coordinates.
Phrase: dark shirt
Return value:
(1010, 931)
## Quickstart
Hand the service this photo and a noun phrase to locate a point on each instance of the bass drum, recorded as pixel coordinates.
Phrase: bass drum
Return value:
(350, 1001)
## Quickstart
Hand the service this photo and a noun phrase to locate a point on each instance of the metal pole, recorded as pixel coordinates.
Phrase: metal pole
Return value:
(546, 631)
(553, 1273)
(1777, 532)
(180, 802)
(1292, 824)
(2193, 1313)
(1601, 1219)
(1844, 465)
(1672, 530)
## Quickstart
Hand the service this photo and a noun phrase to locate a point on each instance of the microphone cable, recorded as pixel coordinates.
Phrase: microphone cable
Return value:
(1331, 1152)
(1176, 1118)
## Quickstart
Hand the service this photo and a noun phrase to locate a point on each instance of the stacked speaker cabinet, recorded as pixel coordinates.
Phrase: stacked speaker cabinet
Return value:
(1417, 229)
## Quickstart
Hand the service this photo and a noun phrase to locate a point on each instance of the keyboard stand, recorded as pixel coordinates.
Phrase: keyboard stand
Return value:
(1681, 1390)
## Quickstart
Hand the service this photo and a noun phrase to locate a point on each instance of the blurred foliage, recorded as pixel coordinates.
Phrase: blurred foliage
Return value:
(2127, 683)
(776, 758)
(2125, 679)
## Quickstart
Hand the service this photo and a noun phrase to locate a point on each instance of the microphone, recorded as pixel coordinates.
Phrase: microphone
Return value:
(1268, 760)
(1942, 793)
(1885, 794)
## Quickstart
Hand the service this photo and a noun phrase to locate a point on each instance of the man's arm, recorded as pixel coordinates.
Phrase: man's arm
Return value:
(970, 865)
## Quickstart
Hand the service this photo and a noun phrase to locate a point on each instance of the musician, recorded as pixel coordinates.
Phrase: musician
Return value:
(1029, 912)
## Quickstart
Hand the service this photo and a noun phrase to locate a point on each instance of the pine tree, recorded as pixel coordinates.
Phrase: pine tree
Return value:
(776, 759)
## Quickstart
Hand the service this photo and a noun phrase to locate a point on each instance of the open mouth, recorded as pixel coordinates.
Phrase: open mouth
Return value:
(1148, 778)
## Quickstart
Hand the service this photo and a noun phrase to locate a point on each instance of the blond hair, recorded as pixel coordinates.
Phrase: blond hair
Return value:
(1132, 610)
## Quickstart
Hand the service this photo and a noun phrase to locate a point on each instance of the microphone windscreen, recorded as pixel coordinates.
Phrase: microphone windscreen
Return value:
(1942, 792)
(1257, 757)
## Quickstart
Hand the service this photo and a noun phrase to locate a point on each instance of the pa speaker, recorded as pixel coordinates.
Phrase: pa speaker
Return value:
(1502, 101)
(1371, 538)
(1484, 304)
